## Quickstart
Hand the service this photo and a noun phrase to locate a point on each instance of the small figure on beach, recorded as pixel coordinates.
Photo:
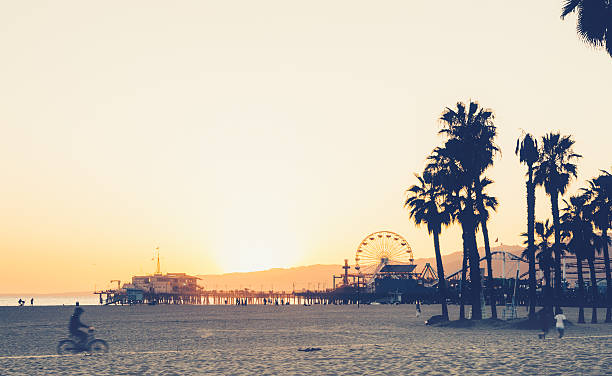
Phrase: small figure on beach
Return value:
(545, 321)
(32, 301)
(21, 302)
(560, 317)
(418, 309)
(75, 324)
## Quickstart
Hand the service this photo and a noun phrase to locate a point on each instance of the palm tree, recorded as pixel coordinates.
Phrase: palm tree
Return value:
(527, 150)
(545, 260)
(594, 21)
(470, 144)
(575, 228)
(489, 202)
(426, 203)
(600, 194)
(448, 174)
(554, 170)
(592, 245)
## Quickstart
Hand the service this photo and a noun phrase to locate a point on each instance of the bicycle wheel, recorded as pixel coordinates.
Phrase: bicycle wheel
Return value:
(98, 346)
(66, 346)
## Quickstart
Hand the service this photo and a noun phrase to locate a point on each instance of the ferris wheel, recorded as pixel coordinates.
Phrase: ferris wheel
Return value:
(382, 248)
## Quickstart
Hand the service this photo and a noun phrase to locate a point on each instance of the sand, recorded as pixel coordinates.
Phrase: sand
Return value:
(264, 340)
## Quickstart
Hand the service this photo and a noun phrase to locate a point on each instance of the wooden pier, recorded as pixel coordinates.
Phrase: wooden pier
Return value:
(234, 297)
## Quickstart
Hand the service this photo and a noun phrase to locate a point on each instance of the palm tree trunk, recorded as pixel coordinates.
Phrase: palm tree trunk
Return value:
(463, 284)
(608, 276)
(530, 243)
(593, 289)
(485, 235)
(546, 301)
(441, 280)
(474, 258)
(580, 290)
(490, 291)
(554, 201)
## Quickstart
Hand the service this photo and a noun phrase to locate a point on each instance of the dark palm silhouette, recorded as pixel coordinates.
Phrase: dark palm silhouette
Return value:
(594, 23)
(489, 203)
(470, 147)
(600, 205)
(527, 150)
(545, 260)
(554, 170)
(449, 175)
(427, 205)
(577, 230)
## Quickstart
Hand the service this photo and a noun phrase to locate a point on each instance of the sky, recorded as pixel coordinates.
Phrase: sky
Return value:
(243, 135)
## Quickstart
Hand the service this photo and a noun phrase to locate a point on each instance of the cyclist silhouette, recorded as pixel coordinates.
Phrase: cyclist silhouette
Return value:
(76, 324)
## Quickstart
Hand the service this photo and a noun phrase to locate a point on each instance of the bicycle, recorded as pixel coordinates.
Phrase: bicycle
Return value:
(92, 345)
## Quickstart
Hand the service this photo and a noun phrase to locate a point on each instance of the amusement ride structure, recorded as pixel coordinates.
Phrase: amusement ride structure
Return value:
(383, 253)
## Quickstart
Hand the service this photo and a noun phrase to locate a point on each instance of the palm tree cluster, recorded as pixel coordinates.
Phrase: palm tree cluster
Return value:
(452, 189)
(585, 222)
(574, 227)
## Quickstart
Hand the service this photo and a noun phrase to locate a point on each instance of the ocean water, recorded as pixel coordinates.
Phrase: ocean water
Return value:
(49, 300)
(265, 340)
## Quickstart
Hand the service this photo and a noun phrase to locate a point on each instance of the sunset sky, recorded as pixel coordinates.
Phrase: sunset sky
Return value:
(245, 135)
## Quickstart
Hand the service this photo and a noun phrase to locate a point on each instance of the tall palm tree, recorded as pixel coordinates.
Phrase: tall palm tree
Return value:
(449, 175)
(594, 21)
(574, 228)
(592, 245)
(545, 260)
(554, 170)
(470, 135)
(460, 203)
(489, 202)
(600, 194)
(426, 202)
(527, 150)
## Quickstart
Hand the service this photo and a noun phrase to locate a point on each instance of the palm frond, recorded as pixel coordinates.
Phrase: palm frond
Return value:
(569, 7)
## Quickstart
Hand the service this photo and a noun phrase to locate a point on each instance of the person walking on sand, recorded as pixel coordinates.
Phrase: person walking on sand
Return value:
(418, 309)
(545, 321)
(32, 301)
(560, 317)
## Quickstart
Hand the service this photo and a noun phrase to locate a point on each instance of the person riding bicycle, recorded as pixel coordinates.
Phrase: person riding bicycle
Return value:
(76, 324)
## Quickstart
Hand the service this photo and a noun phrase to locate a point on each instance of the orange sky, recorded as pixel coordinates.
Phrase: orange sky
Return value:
(245, 135)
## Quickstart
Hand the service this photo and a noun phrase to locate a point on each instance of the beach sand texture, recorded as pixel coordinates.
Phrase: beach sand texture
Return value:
(264, 340)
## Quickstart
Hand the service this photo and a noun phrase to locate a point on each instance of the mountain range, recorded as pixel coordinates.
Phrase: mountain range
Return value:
(321, 276)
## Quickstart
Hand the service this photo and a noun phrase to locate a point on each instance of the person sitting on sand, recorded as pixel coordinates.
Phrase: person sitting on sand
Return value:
(76, 324)
(560, 317)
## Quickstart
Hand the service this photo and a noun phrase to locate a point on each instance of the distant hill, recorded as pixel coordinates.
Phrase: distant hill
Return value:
(320, 276)
(278, 279)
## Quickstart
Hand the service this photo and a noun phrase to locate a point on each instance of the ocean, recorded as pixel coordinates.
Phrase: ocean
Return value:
(8, 300)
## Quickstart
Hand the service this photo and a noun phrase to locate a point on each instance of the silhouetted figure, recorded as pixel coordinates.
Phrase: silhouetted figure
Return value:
(76, 324)
(418, 309)
(32, 301)
(545, 321)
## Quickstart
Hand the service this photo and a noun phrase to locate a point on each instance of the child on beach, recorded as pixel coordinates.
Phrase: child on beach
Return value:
(560, 317)
(418, 309)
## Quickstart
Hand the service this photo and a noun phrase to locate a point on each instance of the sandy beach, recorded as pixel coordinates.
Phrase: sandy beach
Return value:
(191, 340)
